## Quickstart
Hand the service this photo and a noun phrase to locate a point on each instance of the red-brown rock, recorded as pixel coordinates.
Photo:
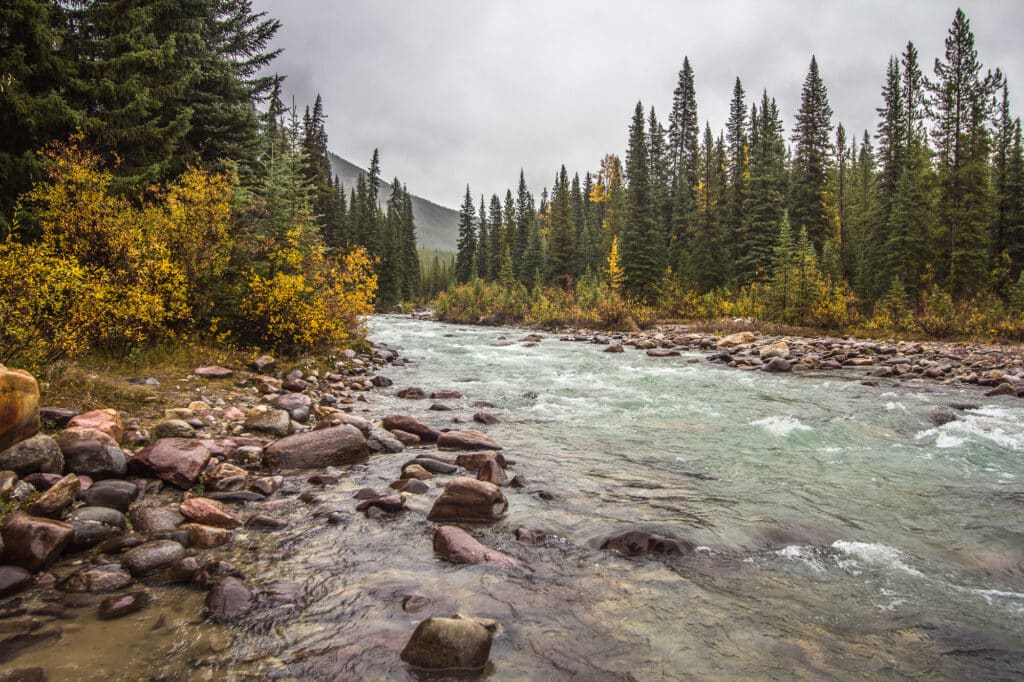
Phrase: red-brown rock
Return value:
(209, 512)
(466, 439)
(335, 446)
(212, 372)
(32, 542)
(467, 499)
(492, 472)
(412, 425)
(473, 462)
(459, 547)
(178, 461)
(105, 421)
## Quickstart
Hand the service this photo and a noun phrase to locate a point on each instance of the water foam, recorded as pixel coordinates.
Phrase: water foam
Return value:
(781, 426)
(875, 555)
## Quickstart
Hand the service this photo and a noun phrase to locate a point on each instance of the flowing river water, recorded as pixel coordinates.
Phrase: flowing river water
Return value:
(840, 534)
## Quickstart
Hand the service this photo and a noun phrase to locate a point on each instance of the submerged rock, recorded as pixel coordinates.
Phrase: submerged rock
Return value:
(457, 643)
(123, 604)
(641, 543)
(459, 547)
(229, 599)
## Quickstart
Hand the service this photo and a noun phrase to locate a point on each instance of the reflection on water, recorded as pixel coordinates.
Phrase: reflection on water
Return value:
(840, 534)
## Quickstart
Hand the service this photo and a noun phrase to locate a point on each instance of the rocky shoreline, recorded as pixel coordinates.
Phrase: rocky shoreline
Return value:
(103, 510)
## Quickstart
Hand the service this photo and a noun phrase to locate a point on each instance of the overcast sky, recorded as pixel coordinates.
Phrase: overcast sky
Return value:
(459, 91)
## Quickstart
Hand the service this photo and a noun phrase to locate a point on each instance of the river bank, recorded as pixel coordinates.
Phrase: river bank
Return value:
(324, 578)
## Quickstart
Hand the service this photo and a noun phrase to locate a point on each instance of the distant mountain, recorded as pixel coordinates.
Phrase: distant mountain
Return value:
(437, 227)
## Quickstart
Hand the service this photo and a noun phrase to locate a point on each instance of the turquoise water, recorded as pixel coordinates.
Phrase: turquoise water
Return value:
(840, 532)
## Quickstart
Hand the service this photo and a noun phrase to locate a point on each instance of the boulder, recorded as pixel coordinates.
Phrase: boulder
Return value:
(209, 512)
(114, 494)
(120, 605)
(777, 364)
(469, 500)
(432, 465)
(412, 393)
(179, 461)
(69, 438)
(361, 423)
(382, 440)
(473, 462)
(939, 414)
(14, 579)
(96, 578)
(267, 485)
(733, 340)
(94, 525)
(174, 428)
(445, 395)
(105, 421)
(297, 405)
(229, 599)
(38, 454)
(411, 425)
(457, 643)
(459, 547)
(95, 459)
(1004, 388)
(151, 557)
(318, 449)
(492, 472)
(266, 384)
(267, 420)
(485, 418)
(263, 363)
(55, 500)
(466, 439)
(212, 372)
(19, 406)
(663, 353)
(641, 543)
(32, 542)
(8, 479)
(779, 349)
(614, 347)
(410, 485)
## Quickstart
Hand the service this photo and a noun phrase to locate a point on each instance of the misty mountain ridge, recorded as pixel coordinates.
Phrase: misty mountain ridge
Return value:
(437, 227)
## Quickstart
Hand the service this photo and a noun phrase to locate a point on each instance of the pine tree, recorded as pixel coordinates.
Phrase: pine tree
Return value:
(410, 261)
(811, 158)
(735, 210)
(524, 215)
(707, 250)
(766, 202)
(684, 149)
(563, 231)
(494, 219)
(658, 158)
(783, 270)
(483, 242)
(465, 258)
(642, 246)
(961, 105)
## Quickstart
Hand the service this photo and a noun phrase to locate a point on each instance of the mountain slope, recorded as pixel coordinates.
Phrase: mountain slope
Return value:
(437, 227)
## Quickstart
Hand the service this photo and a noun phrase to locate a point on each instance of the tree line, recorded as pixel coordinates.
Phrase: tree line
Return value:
(929, 207)
(154, 186)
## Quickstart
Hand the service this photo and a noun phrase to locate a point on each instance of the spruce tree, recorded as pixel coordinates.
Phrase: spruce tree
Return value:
(766, 202)
(960, 103)
(684, 150)
(494, 220)
(465, 257)
(524, 215)
(483, 242)
(643, 251)
(812, 158)
(735, 209)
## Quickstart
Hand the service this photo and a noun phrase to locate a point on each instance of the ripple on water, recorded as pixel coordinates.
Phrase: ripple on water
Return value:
(781, 426)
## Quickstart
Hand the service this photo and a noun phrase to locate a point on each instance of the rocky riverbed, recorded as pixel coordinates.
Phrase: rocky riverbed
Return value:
(186, 528)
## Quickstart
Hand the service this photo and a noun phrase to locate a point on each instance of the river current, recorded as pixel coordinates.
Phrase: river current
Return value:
(840, 532)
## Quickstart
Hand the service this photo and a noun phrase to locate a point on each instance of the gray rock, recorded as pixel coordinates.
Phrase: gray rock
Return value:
(174, 428)
(96, 578)
(229, 599)
(777, 364)
(38, 454)
(939, 414)
(152, 557)
(381, 440)
(275, 422)
(14, 579)
(641, 543)
(115, 494)
(155, 521)
(95, 459)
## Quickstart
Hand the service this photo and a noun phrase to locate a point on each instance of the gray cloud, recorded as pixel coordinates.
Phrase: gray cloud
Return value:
(457, 91)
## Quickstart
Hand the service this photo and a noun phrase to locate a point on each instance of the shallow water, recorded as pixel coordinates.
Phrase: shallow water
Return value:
(840, 534)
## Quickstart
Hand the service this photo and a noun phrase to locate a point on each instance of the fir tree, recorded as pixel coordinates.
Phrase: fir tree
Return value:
(483, 242)
(767, 190)
(465, 257)
(494, 220)
(524, 215)
(811, 158)
(563, 231)
(684, 149)
(643, 250)
(735, 210)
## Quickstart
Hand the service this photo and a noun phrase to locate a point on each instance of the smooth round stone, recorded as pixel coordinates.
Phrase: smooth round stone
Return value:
(117, 495)
(120, 605)
(13, 579)
(152, 557)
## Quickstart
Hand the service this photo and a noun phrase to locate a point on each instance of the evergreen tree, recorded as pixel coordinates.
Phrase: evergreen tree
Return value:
(642, 246)
(766, 202)
(783, 270)
(496, 248)
(409, 259)
(707, 250)
(660, 174)
(684, 149)
(735, 210)
(811, 158)
(524, 215)
(483, 242)
(465, 258)
(563, 231)
(960, 103)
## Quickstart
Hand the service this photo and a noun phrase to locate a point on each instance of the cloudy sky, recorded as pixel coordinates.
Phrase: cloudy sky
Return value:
(457, 91)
